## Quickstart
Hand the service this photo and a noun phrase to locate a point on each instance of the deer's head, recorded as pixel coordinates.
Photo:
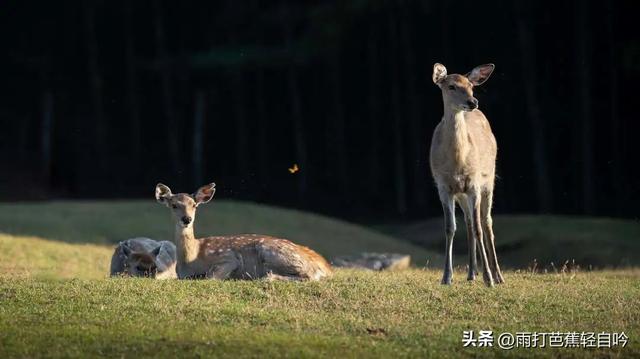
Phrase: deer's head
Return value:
(141, 264)
(457, 90)
(183, 205)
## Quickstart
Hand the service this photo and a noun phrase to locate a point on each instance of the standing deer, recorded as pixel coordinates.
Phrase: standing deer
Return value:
(246, 256)
(463, 164)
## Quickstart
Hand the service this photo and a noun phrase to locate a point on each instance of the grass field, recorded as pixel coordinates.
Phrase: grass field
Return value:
(56, 299)
(109, 222)
(595, 242)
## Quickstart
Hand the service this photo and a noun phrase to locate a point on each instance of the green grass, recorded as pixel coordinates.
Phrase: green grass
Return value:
(353, 315)
(109, 222)
(56, 299)
(42, 259)
(597, 242)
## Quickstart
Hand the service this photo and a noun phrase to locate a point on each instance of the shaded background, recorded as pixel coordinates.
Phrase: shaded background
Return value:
(103, 99)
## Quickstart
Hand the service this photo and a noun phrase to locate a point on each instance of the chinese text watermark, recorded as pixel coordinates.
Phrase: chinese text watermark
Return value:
(485, 338)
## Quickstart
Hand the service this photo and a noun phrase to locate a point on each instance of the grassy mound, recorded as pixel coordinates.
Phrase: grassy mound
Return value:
(109, 222)
(37, 257)
(597, 242)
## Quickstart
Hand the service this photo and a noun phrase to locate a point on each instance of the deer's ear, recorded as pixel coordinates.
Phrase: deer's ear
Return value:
(126, 250)
(156, 251)
(205, 193)
(480, 74)
(439, 73)
(163, 193)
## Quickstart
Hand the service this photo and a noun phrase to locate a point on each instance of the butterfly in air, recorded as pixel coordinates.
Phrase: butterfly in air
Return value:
(294, 169)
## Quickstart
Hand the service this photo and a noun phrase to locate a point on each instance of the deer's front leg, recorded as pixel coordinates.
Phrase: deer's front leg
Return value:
(448, 207)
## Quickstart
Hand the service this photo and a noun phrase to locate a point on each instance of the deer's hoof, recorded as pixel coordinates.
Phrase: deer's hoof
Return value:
(446, 281)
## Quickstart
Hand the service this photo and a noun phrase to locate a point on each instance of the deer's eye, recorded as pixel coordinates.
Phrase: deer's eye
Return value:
(452, 88)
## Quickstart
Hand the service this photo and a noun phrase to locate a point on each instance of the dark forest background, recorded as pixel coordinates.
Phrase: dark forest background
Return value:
(103, 99)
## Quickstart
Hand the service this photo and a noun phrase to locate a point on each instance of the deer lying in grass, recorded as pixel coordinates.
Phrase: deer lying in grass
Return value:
(144, 257)
(463, 164)
(246, 256)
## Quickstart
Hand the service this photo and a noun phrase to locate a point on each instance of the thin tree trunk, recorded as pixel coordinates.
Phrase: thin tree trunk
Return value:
(336, 135)
(131, 83)
(95, 82)
(617, 179)
(296, 105)
(261, 114)
(417, 137)
(400, 175)
(173, 133)
(527, 59)
(198, 139)
(374, 110)
(47, 133)
(583, 64)
(240, 115)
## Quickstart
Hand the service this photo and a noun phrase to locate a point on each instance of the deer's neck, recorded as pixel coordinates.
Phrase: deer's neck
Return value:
(457, 133)
(187, 246)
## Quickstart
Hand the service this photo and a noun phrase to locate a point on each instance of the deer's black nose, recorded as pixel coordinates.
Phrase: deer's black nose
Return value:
(186, 219)
(472, 103)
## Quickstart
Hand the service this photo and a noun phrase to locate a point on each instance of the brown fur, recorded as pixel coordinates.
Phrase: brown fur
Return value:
(247, 256)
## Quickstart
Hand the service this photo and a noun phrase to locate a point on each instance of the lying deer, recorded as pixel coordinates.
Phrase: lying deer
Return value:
(144, 257)
(246, 256)
(463, 164)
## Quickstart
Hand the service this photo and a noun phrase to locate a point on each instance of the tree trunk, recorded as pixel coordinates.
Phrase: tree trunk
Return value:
(242, 160)
(47, 134)
(583, 69)
(524, 24)
(296, 105)
(261, 115)
(417, 137)
(131, 91)
(95, 82)
(198, 139)
(336, 134)
(617, 144)
(400, 175)
(173, 133)
(374, 110)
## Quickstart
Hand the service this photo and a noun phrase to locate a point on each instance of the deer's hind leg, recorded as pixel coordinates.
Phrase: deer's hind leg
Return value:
(489, 239)
(473, 262)
(270, 277)
(474, 202)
